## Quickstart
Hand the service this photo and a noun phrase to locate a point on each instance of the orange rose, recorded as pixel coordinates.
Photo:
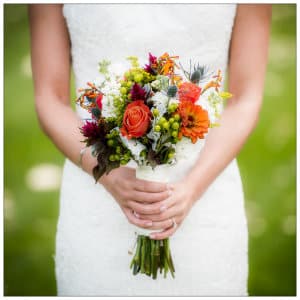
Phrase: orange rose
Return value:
(136, 119)
(189, 92)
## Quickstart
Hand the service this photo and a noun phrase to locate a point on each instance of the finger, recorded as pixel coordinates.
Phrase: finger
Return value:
(136, 221)
(170, 211)
(150, 186)
(150, 208)
(150, 197)
(163, 234)
(145, 209)
(162, 225)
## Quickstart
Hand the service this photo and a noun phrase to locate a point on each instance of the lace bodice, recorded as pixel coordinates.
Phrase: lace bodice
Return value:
(197, 32)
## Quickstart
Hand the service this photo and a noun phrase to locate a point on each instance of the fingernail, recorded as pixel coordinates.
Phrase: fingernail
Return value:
(152, 235)
(170, 192)
(163, 208)
(148, 223)
(136, 214)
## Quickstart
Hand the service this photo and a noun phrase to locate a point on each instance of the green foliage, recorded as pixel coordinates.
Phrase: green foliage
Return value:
(105, 164)
(103, 66)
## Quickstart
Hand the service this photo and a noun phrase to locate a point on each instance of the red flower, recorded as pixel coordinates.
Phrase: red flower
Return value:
(99, 101)
(152, 66)
(91, 130)
(136, 119)
(189, 92)
(137, 92)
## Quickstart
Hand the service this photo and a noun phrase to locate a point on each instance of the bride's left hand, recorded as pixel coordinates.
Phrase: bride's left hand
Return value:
(173, 210)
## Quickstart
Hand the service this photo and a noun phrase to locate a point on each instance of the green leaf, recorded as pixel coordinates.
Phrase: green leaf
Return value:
(96, 112)
(98, 171)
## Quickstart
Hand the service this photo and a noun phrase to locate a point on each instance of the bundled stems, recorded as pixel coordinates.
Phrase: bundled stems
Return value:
(152, 255)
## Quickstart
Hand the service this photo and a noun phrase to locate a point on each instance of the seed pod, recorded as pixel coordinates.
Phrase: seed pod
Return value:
(195, 78)
(172, 90)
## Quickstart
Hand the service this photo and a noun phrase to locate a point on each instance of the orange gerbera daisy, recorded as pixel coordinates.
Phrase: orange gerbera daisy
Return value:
(194, 121)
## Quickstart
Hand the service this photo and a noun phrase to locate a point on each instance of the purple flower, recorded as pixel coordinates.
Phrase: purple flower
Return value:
(148, 69)
(137, 92)
(91, 130)
(151, 67)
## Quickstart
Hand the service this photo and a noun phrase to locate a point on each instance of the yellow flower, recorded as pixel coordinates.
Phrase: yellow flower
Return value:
(225, 95)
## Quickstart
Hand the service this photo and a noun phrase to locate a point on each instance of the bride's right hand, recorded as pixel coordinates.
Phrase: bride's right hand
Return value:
(127, 190)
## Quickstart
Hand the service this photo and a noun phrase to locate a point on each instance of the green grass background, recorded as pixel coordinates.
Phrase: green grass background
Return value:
(267, 164)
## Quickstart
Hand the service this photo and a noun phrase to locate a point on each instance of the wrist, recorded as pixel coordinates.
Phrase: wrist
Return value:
(194, 188)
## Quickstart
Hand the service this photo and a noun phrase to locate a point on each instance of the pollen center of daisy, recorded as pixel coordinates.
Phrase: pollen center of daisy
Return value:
(191, 119)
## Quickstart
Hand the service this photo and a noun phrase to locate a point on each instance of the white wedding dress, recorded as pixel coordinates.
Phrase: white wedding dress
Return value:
(210, 248)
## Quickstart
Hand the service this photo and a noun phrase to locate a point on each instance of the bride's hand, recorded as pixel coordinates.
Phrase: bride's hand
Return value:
(131, 193)
(173, 212)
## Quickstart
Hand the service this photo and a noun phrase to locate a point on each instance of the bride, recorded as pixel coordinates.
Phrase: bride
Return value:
(203, 210)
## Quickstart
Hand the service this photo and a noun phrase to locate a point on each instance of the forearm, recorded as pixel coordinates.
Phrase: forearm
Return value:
(61, 124)
(224, 142)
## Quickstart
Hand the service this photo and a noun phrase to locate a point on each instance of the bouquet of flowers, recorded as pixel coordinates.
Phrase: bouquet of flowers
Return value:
(141, 115)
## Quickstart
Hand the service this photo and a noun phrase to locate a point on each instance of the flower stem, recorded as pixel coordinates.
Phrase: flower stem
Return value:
(152, 255)
(143, 255)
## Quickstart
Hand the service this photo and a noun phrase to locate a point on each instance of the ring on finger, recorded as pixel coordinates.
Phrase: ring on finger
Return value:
(136, 214)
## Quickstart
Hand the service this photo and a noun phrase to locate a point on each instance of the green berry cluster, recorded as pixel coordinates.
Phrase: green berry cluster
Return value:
(119, 109)
(118, 152)
(172, 107)
(170, 126)
(139, 76)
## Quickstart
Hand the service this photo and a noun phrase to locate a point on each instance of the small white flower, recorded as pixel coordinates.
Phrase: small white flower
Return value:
(160, 101)
(111, 87)
(107, 107)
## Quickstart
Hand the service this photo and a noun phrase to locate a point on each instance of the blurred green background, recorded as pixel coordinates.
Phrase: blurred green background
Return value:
(32, 170)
